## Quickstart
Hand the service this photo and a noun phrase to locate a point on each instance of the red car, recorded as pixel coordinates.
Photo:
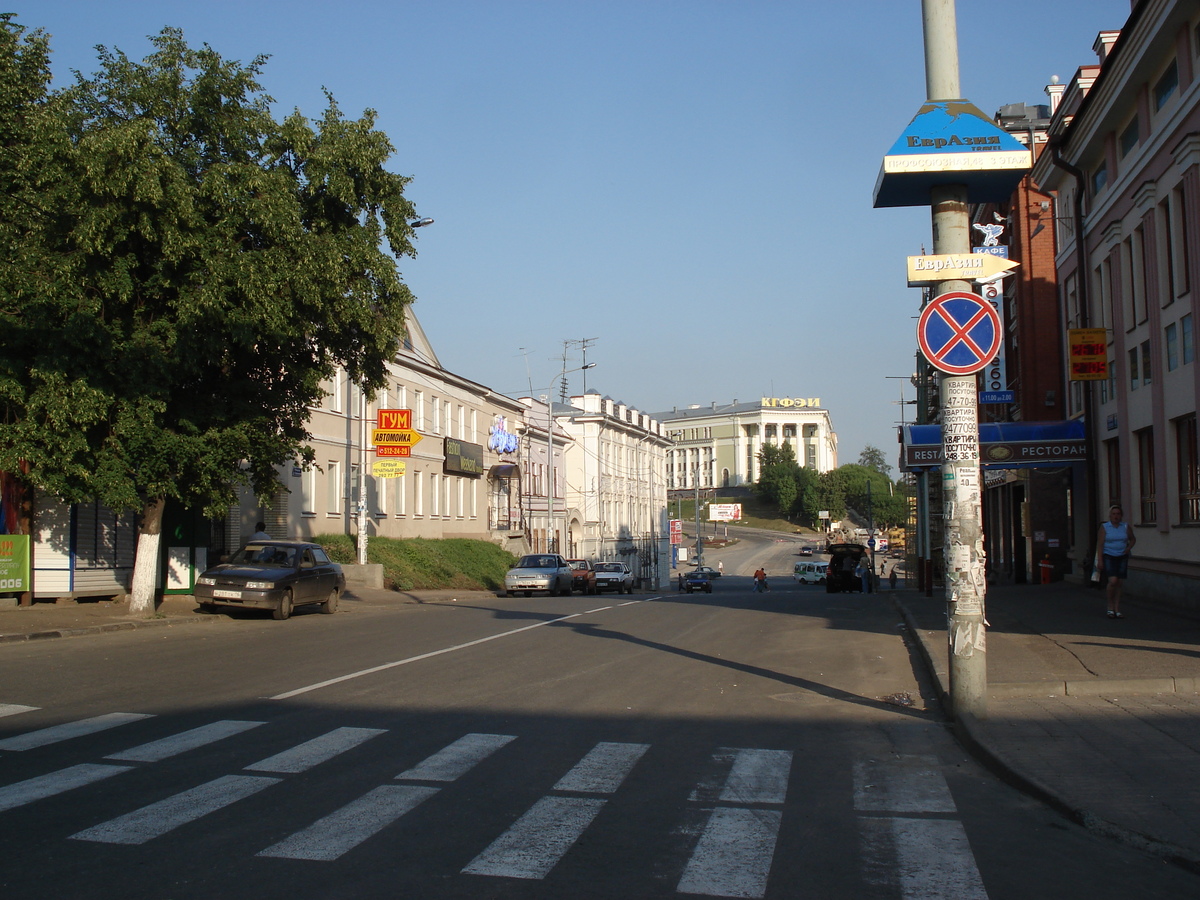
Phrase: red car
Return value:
(583, 576)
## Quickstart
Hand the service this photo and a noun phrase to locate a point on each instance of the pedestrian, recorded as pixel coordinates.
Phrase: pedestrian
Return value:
(1114, 541)
(260, 532)
(863, 571)
(760, 580)
(720, 567)
(892, 578)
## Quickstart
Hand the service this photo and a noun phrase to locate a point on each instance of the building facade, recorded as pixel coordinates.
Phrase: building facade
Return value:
(1124, 164)
(718, 446)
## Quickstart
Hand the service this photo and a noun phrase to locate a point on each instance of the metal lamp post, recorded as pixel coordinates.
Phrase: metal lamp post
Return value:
(551, 540)
(361, 503)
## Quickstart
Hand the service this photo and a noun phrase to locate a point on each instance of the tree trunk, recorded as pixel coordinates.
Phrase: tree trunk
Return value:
(145, 566)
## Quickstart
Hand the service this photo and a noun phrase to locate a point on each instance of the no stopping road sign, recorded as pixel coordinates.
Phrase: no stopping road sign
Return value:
(959, 333)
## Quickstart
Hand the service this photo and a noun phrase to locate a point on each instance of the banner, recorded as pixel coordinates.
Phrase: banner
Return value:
(14, 563)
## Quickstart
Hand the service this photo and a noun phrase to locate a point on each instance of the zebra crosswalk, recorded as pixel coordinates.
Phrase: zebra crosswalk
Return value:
(737, 805)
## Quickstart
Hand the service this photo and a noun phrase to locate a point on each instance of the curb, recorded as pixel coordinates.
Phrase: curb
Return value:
(129, 625)
(966, 729)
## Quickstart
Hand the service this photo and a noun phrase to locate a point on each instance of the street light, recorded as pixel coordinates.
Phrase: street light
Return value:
(551, 542)
(361, 511)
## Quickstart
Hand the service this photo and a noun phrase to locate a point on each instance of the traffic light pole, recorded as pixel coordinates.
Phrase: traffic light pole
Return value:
(966, 584)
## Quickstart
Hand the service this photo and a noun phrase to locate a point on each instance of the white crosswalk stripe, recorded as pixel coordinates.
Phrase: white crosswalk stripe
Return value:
(603, 769)
(911, 840)
(157, 819)
(452, 762)
(14, 795)
(167, 747)
(12, 709)
(55, 733)
(737, 847)
(330, 837)
(318, 750)
(538, 840)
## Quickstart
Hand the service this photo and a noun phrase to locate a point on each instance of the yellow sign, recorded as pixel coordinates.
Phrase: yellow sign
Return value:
(403, 437)
(1089, 354)
(791, 402)
(388, 468)
(956, 267)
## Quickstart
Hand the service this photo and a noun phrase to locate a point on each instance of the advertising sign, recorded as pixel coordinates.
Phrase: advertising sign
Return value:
(463, 458)
(394, 435)
(724, 512)
(1088, 354)
(388, 468)
(14, 562)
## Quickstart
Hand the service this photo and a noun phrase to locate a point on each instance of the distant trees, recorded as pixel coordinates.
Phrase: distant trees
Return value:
(182, 272)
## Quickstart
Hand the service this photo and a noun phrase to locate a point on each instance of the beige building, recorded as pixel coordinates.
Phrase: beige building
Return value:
(718, 446)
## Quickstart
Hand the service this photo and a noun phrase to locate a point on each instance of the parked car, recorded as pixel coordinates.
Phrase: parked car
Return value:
(843, 558)
(806, 550)
(709, 571)
(274, 575)
(583, 576)
(614, 576)
(695, 581)
(540, 572)
(810, 572)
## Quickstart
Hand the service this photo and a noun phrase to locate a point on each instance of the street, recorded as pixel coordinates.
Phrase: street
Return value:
(726, 744)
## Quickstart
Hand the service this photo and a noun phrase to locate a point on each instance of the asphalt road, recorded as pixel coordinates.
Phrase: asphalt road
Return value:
(667, 745)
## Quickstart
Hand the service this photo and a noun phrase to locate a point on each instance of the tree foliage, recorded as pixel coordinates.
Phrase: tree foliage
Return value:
(872, 457)
(184, 272)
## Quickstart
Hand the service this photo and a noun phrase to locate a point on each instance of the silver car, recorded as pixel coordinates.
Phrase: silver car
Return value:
(539, 572)
(613, 576)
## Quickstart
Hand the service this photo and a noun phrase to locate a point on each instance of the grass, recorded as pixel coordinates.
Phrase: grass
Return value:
(755, 514)
(421, 564)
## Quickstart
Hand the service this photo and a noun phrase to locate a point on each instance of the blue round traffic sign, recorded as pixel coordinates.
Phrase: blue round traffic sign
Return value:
(959, 333)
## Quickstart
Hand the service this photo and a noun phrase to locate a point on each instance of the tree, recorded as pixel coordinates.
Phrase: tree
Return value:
(873, 458)
(872, 495)
(204, 268)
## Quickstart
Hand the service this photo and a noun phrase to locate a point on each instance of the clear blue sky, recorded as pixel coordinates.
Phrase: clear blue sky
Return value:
(688, 181)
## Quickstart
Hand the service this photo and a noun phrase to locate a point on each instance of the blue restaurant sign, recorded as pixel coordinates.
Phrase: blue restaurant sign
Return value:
(951, 142)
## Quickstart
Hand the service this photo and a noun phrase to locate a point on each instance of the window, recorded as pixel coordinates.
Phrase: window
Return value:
(435, 496)
(1146, 362)
(333, 488)
(419, 409)
(1185, 338)
(1189, 470)
(437, 414)
(338, 388)
(418, 494)
(308, 492)
(1145, 446)
(1165, 89)
(400, 495)
(1134, 381)
(1099, 178)
(1181, 248)
(1129, 137)
(1171, 339)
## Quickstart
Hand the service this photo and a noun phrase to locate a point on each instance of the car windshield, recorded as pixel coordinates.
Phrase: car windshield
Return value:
(608, 567)
(265, 555)
(537, 562)
(579, 564)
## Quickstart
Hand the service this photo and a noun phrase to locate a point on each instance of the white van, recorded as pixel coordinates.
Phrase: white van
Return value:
(810, 572)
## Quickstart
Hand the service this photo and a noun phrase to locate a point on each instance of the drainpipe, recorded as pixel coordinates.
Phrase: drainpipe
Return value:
(1082, 280)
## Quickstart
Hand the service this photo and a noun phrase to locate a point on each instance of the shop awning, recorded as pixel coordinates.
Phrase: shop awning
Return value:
(504, 470)
(1002, 445)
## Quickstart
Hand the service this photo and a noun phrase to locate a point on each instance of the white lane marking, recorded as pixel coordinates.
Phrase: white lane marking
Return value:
(934, 860)
(880, 787)
(632, 602)
(455, 760)
(68, 730)
(14, 795)
(157, 819)
(304, 756)
(412, 659)
(603, 769)
(733, 857)
(11, 709)
(758, 776)
(164, 748)
(596, 610)
(328, 838)
(537, 840)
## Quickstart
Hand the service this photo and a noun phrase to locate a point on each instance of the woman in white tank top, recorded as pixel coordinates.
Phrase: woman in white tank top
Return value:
(1114, 540)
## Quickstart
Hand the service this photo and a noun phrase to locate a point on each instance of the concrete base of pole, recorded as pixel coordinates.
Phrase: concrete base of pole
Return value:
(967, 666)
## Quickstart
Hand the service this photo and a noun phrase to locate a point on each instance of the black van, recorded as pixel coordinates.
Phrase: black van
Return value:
(843, 560)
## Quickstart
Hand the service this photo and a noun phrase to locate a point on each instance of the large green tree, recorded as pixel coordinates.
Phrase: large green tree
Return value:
(203, 269)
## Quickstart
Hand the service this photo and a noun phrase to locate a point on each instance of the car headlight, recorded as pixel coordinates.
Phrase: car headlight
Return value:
(260, 585)
(203, 580)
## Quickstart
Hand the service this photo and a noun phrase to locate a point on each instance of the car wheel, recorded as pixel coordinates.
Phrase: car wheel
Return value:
(529, 593)
(331, 603)
(284, 609)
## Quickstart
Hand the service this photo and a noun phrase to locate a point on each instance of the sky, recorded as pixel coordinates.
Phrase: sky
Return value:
(685, 184)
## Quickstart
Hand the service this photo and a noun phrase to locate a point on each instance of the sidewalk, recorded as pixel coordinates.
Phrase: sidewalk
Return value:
(55, 620)
(1098, 717)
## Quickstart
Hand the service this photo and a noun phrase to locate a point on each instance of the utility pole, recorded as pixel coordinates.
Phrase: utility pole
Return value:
(961, 483)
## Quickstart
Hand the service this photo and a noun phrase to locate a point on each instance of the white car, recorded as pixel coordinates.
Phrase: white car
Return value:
(810, 572)
(539, 572)
(613, 576)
